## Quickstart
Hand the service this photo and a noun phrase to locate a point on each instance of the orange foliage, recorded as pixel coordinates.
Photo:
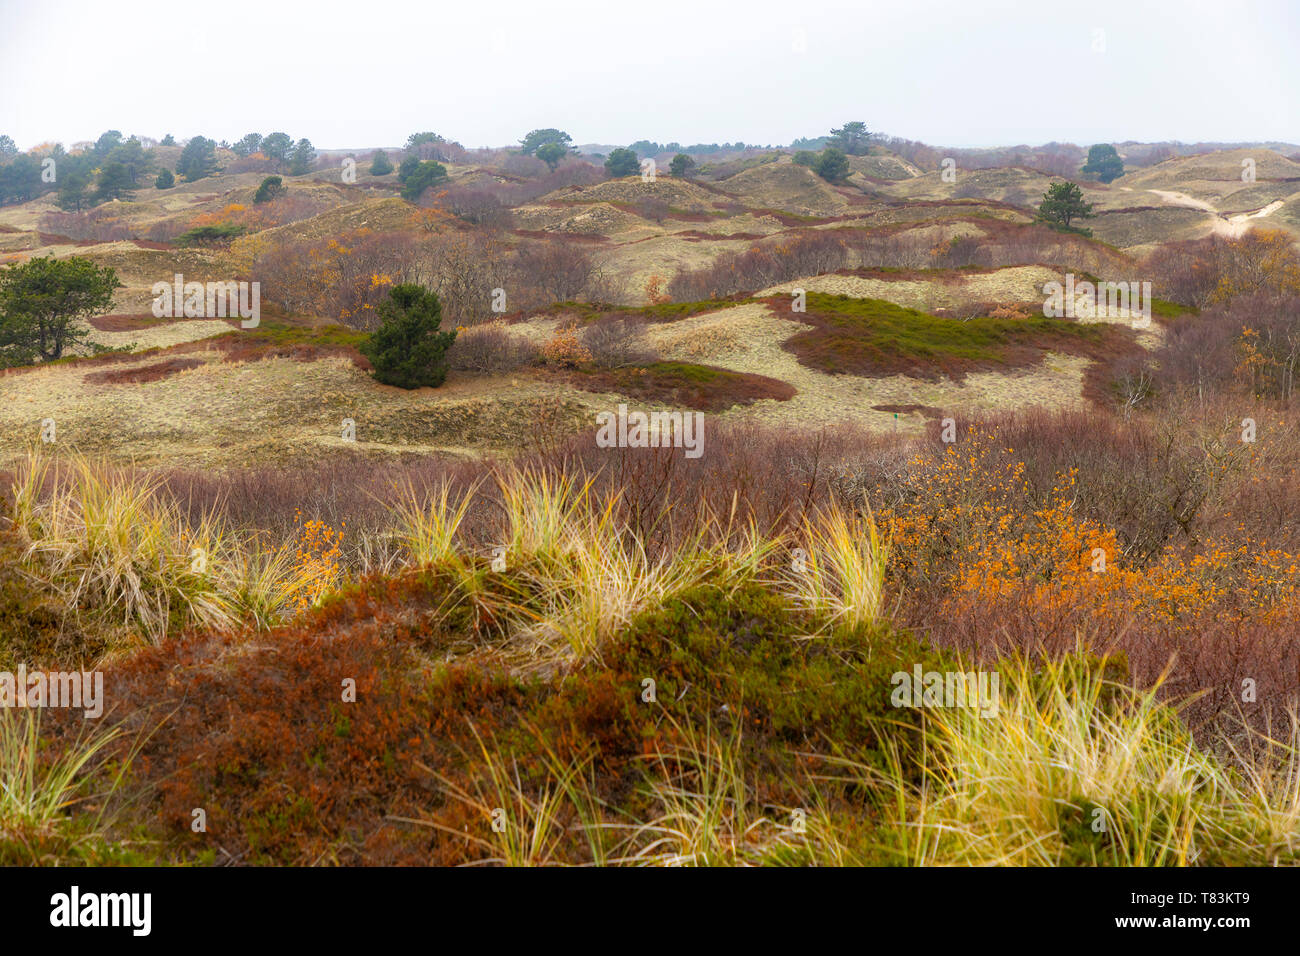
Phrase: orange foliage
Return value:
(967, 537)
(234, 214)
(653, 293)
(316, 559)
(565, 350)
(1263, 260)
(433, 218)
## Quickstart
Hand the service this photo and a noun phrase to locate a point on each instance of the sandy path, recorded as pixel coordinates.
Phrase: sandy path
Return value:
(1230, 226)
(1237, 225)
(1182, 199)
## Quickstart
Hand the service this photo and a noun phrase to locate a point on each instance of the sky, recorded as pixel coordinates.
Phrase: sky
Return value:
(348, 74)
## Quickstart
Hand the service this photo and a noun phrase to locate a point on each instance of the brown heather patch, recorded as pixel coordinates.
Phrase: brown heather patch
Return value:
(143, 374)
(694, 235)
(681, 384)
(236, 348)
(928, 411)
(253, 727)
(128, 322)
(588, 237)
(52, 239)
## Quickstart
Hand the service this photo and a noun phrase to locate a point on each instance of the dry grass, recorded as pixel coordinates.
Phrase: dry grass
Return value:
(841, 574)
(1074, 769)
(117, 549)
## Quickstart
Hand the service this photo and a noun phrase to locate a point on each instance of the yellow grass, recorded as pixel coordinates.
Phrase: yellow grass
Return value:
(1074, 769)
(114, 546)
(841, 571)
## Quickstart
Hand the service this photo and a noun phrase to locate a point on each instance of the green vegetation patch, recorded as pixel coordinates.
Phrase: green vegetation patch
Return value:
(210, 235)
(872, 337)
(1171, 311)
(272, 332)
(588, 312)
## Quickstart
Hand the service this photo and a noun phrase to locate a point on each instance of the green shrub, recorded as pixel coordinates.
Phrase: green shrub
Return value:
(832, 165)
(380, 164)
(622, 162)
(426, 174)
(44, 305)
(682, 166)
(742, 652)
(272, 187)
(209, 235)
(409, 165)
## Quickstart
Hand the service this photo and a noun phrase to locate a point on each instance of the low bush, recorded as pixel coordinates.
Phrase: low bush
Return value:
(617, 343)
(491, 347)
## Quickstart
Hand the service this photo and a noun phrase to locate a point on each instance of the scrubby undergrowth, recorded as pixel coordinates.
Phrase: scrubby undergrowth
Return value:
(541, 664)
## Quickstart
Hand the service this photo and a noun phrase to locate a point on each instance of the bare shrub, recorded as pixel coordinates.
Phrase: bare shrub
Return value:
(517, 164)
(166, 230)
(536, 180)
(465, 270)
(557, 270)
(345, 279)
(785, 257)
(292, 206)
(96, 225)
(477, 204)
(957, 252)
(491, 347)
(618, 343)
(256, 163)
(610, 287)
(1198, 272)
(1250, 344)
(1185, 272)
(652, 208)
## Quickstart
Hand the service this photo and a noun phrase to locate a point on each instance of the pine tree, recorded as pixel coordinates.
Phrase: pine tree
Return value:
(408, 350)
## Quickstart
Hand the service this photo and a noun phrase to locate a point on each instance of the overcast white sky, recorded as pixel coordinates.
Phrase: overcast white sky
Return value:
(348, 74)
